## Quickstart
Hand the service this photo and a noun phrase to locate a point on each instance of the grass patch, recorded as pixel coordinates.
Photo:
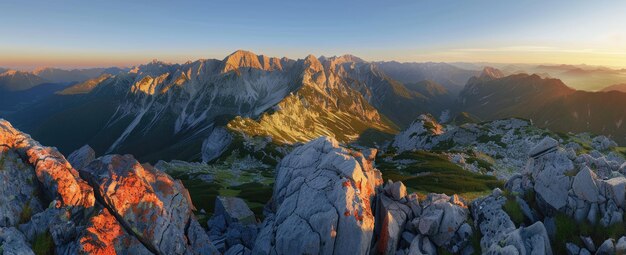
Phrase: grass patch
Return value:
(569, 230)
(497, 139)
(512, 208)
(433, 173)
(43, 244)
(26, 213)
(621, 150)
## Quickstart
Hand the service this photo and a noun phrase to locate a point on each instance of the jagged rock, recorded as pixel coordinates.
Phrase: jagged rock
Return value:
(234, 210)
(443, 221)
(414, 248)
(428, 246)
(104, 235)
(588, 242)
(237, 250)
(606, 248)
(59, 179)
(215, 144)
(322, 202)
(548, 144)
(615, 189)
(233, 222)
(13, 242)
(491, 220)
(572, 249)
(620, 245)
(602, 143)
(549, 174)
(584, 185)
(18, 190)
(156, 207)
(396, 190)
(415, 136)
(593, 213)
(81, 157)
(524, 240)
(414, 204)
(429, 221)
(391, 216)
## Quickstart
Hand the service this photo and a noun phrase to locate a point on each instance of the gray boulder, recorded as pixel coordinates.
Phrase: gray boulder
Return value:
(13, 242)
(234, 210)
(615, 189)
(82, 157)
(620, 245)
(572, 249)
(321, 202)
(606, 248)
(18, 189)
(551, 183)
(584, 185)
(548, 144)
(396, 190)
(391, 216)
(588, 242)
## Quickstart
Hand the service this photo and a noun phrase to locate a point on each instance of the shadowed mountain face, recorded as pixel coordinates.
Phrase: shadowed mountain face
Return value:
(451, 77)
(548, 102)
(168, 111)
(174, 107)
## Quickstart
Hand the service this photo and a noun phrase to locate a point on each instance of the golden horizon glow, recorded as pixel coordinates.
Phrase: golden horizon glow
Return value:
(23, 60)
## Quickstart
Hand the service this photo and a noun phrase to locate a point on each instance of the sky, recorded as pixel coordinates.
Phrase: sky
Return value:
(72, 34)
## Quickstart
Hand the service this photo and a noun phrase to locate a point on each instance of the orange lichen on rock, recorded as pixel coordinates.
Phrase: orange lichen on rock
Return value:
(100, 236)
(128, 191)
(60, 179)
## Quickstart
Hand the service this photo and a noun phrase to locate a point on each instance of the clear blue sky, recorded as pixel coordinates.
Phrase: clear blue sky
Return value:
(100, 33)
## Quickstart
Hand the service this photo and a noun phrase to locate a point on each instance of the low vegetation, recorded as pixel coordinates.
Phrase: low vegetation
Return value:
(428, 172)
(43, 244)
(569, 230)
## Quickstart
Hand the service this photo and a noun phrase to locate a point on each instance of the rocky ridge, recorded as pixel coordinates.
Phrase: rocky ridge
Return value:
(111, 205)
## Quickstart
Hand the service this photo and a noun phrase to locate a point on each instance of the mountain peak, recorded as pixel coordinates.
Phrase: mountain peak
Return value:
(313, 63)
(243, 58)
(491, 73)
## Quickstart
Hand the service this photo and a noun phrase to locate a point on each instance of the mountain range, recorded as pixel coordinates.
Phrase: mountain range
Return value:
(167, 111)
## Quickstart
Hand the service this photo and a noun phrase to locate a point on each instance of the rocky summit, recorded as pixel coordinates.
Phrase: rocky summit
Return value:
(110, 205)
(562, 194)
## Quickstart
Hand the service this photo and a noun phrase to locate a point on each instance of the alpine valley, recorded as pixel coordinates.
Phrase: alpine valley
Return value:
(321, 155)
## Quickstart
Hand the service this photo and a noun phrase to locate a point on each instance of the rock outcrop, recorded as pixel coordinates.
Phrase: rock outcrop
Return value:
(58, 177)
(82, 157)
(156, 207)
(500, 236)
(135, 209)
(233, 226)
(322, 202)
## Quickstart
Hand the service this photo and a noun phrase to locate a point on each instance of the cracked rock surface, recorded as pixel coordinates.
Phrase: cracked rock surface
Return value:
(126, 208)
(322, 202)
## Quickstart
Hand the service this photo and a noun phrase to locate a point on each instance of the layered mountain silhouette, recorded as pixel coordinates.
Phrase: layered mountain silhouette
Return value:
(176, 106)
(546, 101)
(167, 111)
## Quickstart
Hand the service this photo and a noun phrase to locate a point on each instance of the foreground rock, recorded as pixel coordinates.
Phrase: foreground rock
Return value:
(135, 209)
(322, 202)
(500, 234)
(60, 180)
(82, 157)
(13, 242)
(233, 226)
(156, 207)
